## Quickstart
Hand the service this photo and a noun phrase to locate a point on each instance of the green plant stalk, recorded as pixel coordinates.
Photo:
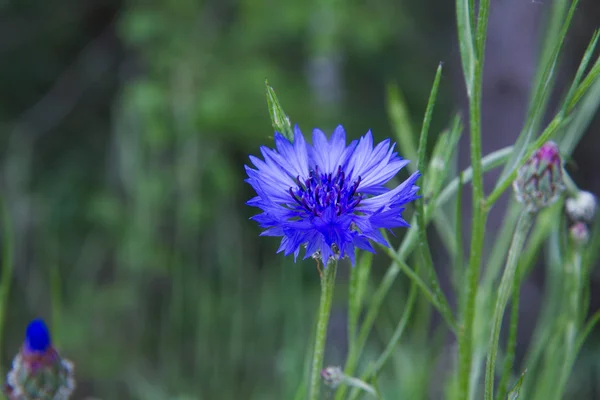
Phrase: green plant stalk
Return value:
(327, 286)
(573, 269)
(465, 338)
(504, 291)
(489, 162)
(7, 269)
(512, 341)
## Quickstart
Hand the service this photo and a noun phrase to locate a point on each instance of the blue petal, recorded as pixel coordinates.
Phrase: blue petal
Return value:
(37, 336)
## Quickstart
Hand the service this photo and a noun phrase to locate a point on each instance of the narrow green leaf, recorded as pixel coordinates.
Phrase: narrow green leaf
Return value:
(442, 153)
(504, 291)
(537, 107)
(571, 99)
(514, 393)
(279, 119)
(582, 118)
(585, 85)
(465, 15)
(400, 119)
(423, 244)
(422, 150)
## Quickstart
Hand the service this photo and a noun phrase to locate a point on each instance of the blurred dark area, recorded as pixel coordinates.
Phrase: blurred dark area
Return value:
(124, 128)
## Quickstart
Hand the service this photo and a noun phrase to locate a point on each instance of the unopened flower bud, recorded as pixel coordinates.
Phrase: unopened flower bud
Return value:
(582, 207)
(579, 233)
(332, 376)
(38, 372)
(540, 180)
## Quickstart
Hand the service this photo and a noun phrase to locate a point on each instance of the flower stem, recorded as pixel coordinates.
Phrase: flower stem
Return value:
(474, 80)
(327, 286)
(504, 292)
(573, 268)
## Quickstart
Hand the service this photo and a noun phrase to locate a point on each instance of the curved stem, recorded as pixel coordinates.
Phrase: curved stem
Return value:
(504, 292)
(327, 286)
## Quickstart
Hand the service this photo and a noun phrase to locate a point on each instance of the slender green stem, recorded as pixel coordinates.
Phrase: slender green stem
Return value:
(573, 293)
(504, 292)
(465, 339)
(7, 267)
(512, 341)
(327, 286)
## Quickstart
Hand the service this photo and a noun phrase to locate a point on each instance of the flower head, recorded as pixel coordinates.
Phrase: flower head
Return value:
(540, 180)
(329, 197)
(38, 371)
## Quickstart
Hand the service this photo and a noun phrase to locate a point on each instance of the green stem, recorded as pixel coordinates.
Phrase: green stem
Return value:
(512, 341)
(504, 292)
(572, 291)
(327, 286)
(465, 339)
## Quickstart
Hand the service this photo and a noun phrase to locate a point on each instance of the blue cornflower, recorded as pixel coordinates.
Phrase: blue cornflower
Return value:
(37, 336)
(329, 197)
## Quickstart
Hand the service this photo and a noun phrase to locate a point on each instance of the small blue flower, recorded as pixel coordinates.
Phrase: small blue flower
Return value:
(37, 336)
(329, 197)
(38, 371)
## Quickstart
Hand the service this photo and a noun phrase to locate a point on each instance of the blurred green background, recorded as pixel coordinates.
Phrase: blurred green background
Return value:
(125, 128)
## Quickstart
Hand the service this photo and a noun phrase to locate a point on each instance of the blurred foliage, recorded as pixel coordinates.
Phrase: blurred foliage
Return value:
(126, 127)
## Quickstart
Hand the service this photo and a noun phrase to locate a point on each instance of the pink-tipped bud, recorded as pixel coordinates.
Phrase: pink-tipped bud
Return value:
(540, 180)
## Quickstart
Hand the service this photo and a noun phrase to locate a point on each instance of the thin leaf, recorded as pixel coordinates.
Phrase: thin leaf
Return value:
(571, 99)
(465, 17)
(514, 393)
(400, 118)
(279, 119)
(538, 105)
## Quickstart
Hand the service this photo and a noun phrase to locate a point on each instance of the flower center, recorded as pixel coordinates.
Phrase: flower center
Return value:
(321, 191)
